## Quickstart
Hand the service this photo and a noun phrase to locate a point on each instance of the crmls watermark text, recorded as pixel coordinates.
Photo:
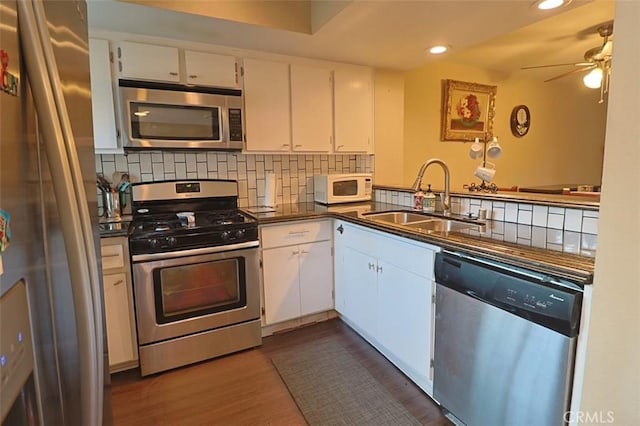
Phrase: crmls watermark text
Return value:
(589, 417)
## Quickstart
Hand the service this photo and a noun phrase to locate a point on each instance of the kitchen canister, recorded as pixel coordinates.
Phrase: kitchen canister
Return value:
(270, 180)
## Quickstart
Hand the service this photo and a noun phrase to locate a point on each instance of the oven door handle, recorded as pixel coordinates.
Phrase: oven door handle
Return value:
(193, 252)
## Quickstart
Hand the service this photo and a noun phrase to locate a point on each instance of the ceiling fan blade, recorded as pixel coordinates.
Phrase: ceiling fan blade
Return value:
(577, 64)
(570, 72)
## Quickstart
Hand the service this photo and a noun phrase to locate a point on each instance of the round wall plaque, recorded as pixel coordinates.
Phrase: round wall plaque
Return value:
(520, 120)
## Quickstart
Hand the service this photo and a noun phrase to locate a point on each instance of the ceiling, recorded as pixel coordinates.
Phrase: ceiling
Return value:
(501, 35)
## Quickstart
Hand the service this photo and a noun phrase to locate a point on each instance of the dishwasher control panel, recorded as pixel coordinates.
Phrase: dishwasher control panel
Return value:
(529, 295)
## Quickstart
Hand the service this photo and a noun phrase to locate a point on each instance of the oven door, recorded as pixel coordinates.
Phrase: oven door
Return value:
(179, 293)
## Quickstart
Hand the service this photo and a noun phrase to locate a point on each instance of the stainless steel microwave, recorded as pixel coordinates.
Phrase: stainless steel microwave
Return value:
(176, 116)
(342, 188)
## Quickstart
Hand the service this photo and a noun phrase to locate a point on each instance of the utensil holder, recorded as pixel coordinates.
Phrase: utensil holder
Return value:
(111, 204)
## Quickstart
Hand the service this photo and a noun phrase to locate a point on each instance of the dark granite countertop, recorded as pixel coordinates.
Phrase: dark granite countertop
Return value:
(114, 227)
(574, 267)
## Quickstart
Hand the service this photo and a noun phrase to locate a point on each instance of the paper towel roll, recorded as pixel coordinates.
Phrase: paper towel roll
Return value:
(270, 190)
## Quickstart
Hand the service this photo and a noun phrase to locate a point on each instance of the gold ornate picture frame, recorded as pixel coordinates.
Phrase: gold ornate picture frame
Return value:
(468, 111)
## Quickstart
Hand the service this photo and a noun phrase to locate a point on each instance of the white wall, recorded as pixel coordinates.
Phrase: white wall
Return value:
(612, 372)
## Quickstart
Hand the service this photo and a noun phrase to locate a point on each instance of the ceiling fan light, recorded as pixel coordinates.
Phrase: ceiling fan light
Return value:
(550, 4)
(593, 80)
(437, 50)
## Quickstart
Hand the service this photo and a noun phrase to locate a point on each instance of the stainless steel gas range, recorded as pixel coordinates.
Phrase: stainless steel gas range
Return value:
(195, 269)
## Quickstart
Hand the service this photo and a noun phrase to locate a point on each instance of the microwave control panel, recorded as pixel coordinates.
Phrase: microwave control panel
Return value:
(235, 124)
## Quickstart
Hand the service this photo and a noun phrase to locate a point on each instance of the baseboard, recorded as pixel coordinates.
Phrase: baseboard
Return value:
(284, 326)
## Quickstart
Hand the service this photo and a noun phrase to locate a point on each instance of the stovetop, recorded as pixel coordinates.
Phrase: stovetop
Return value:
(165, 232)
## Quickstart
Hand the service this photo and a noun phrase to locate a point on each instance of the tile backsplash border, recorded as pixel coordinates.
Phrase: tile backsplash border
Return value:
(294, 173)
(568, 229)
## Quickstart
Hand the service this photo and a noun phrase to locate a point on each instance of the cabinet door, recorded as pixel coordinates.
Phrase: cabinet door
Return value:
(267, 105)
(316, 272)
(360, 292)
(311, 109)
(208, 69)
(104, 119)
(404, 320)
(148, 62)
(118, 318)
(353, 109)
(281, 284)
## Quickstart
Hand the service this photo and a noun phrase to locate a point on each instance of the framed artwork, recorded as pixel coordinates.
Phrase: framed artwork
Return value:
(468, 111)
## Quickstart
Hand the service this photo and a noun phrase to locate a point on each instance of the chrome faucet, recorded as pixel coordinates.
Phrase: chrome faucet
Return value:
(446, 206)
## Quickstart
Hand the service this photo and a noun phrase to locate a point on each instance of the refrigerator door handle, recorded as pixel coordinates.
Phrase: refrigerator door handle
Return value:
(83, 276)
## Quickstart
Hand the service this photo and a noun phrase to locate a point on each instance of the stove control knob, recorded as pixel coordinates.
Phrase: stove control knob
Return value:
(153, 243)
(225, 235)
(240, 233)
(172, 241)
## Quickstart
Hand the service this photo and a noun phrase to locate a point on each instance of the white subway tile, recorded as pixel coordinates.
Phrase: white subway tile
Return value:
(169, 163)
(556, 210)
(498, 204)
(121, 163)
(133, 157)
(496, 227)
(498, 213)
(158, 171)
(145, 162)
(156, 157)
(251, 163)
(510, 234)
(590, 225)
(191, 163)
(571, 242)
(554, 236)
(134, 172)
(524, 231)
(511, 213)
(540, 215)
(589, 242)
(179, 157)
(147, 177)
(538, 237)
(201, 157)
(202, 170)
(525, 206)
(555, 221)
(573, 220)
(181, 171)
(590, 213)
(524, 217)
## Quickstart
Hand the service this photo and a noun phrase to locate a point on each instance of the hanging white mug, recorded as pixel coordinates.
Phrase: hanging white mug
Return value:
(486, 172)
(476, 150)
(494, 150)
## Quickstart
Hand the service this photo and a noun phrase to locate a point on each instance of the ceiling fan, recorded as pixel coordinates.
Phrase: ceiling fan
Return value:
(597, 62)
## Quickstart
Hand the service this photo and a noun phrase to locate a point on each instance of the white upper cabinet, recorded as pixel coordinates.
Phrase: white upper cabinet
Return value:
(267, 105)
(311, 109)
(209, 69)
(353, 109)
(104, 120)
(139, 61)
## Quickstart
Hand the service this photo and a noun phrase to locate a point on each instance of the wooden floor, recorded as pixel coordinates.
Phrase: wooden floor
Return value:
(245, 388)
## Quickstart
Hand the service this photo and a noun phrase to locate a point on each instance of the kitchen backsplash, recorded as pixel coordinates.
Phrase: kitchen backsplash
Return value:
(294, 173)
(571, 230)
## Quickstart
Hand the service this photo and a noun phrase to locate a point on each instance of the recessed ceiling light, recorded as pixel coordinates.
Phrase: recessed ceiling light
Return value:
(551, 4)
(436, 50)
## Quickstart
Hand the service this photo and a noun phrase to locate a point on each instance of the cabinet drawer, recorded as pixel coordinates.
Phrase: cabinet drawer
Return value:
(112, 257)
(295, 233)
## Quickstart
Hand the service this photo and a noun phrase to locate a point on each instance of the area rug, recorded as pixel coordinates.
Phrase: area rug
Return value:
(331, 387)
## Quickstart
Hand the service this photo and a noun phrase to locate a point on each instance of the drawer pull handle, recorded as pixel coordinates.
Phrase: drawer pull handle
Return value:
(298, 232)
(118, 282)
(295, 252)
(112, 255)
(173, 73)
(304, 252)
(193, 76)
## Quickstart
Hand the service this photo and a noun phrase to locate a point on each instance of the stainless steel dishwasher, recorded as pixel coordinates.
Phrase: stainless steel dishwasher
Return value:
(504, 342)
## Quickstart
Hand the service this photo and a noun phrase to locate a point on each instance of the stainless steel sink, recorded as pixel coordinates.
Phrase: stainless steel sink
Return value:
(421, 222)
(441, 225)
(398, 218)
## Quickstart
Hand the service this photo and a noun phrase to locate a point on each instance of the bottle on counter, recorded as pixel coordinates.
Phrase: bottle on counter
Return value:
(418, 199)
(429, 201)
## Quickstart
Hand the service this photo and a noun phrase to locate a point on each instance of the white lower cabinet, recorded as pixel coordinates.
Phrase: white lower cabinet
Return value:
(297, 270)
(384, 290)
(118, 304)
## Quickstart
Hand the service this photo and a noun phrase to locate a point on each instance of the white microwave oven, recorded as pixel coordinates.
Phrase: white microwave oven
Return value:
(175, 116)
(342, 188)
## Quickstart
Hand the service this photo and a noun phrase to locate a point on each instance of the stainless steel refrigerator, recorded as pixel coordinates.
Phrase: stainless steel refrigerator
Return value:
(48, 220)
